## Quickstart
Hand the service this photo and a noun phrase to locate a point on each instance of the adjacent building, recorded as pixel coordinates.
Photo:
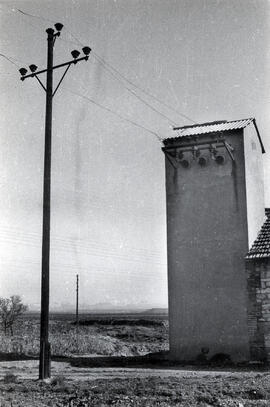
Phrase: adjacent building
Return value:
(258, 278)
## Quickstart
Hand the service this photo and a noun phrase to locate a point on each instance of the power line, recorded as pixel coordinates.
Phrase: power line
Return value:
(69, 42)
(138, 97)
(34, 236)
(33, 15)
(105, 63)
(91, 251)
(85, 97)
(80, 244)
(102, 61)
(96, 103)
(110, 68)
(118, 270)
(97, 250)
(17, 10)
(114, 113)
(10, 60)
(74, 37)
(128, 89)
(98, 271)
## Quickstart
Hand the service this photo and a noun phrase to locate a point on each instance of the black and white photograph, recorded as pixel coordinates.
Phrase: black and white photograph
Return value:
(134, 203)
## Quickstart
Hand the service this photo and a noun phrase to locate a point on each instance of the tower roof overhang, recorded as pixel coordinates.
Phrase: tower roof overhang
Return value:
(212, 127)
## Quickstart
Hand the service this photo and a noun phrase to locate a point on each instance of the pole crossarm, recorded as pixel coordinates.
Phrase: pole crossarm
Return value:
(73, 61)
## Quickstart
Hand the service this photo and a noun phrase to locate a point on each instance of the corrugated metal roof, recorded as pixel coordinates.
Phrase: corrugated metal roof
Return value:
(261, 246)
(212, 127)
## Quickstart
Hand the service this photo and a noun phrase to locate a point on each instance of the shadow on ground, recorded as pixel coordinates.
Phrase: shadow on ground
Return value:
(157, 360)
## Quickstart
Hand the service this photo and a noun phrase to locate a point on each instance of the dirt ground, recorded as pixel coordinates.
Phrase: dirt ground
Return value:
(103, 386)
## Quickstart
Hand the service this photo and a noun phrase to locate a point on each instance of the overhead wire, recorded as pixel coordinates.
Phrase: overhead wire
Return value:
(98, 269)
(90, 247)
(138, 97)
(102, 107)
(35, 239)
(94, 276)
(91, 100)
(35, 236)
(93, 252)
(110, 68)
(114, 113)
(8, 58)
(32, 15)
(89, 251)
(105, 63)
(132, 92)
(74, 37)
(99, 105)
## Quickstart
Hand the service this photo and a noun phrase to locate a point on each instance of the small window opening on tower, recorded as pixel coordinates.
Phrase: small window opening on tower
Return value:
(185, 163)
(202, 161)
(220, 159)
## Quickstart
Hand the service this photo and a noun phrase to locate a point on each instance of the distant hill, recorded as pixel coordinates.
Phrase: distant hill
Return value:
(103, 306)
(106, 308)
(155, 311)
(136, 308)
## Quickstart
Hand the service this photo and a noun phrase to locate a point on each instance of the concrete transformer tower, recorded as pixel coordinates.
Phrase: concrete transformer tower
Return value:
(215, 209)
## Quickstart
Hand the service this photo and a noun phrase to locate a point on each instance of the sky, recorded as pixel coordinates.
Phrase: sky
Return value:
(154, 64)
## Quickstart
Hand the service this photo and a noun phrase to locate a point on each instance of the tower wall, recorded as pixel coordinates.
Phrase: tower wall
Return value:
(254, 183)
(207, 243)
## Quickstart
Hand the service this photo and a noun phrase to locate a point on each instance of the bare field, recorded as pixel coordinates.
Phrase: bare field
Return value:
(105, 362)
(97, 334)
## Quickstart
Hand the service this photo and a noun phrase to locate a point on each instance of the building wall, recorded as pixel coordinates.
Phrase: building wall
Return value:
(254, 183)
(258, 272)
(257, 293)
(207, 243)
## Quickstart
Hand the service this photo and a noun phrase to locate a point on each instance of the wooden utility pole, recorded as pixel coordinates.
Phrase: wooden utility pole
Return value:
(45, 352)
(77, 300)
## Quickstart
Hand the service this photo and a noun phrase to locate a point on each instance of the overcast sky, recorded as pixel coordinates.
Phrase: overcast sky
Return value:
(207, 59)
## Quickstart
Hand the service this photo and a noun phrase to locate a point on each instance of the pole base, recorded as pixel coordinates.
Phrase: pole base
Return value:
(45, 360)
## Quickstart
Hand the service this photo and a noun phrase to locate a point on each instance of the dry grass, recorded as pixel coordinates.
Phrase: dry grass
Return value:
(216, 390)
(94, 339)
(241, 389)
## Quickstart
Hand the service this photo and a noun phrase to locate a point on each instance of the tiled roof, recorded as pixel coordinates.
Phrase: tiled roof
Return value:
(212, 127)
(261, 246)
